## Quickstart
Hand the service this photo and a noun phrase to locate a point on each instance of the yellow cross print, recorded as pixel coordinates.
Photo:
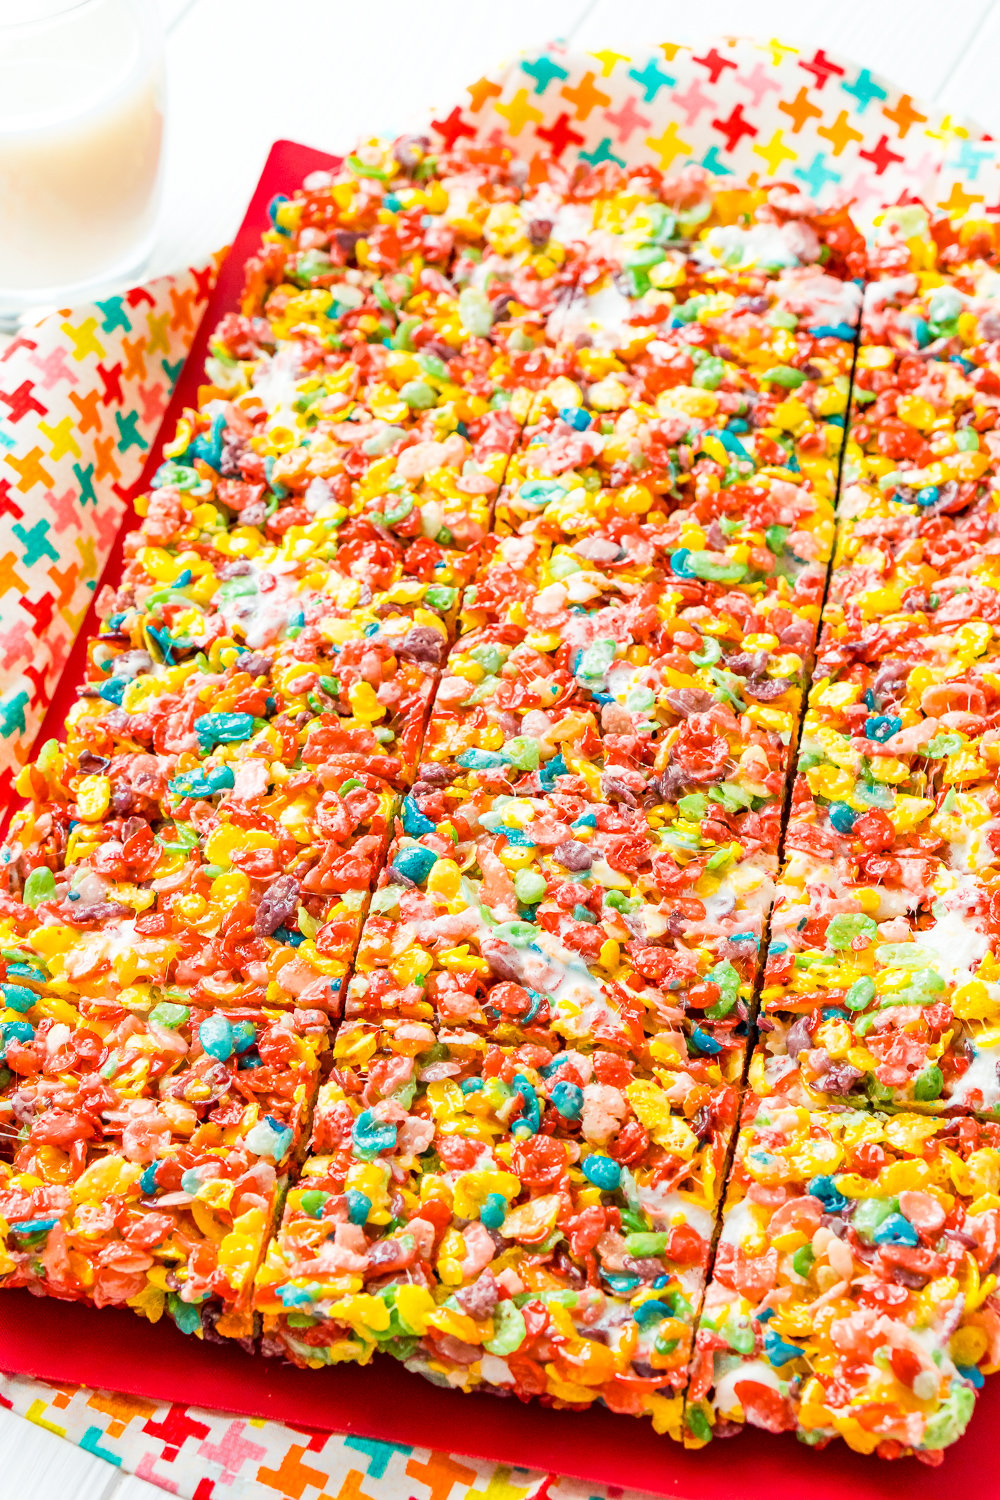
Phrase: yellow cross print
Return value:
(774, 153)
(61, 439)
(609, 61)
(84, 339)
(34, 1414)
(158, 333)
(949, 130)
(778, 50)
(519, 112)
(668, 145)
(498, 1487)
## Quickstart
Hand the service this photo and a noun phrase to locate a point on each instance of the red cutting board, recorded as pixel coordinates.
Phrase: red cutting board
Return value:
(115, 1350)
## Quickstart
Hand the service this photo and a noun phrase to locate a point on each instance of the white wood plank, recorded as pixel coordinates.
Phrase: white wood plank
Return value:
(343, 71)
(916, 47)
(971, 85)
(37, 1463)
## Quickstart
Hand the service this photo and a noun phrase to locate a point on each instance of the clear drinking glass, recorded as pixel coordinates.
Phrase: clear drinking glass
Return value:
(81, 131)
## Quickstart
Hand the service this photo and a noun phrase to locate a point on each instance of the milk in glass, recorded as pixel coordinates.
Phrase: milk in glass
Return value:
(81, 124)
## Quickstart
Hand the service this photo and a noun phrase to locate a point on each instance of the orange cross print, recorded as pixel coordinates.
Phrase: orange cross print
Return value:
(440, 1474)
(585, 96)
(352, 1487)
(135, 357)
(182, 308)
(840, 134)
(30, 469)
(292, 1476)
(903, 115)
(481, 92)
(65, 580)
(799, 110)
(88, 410)
(106, 466)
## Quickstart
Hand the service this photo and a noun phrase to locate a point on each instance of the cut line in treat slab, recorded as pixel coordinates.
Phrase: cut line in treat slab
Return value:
(753, 1035)
(898, 1117)
(927, 705)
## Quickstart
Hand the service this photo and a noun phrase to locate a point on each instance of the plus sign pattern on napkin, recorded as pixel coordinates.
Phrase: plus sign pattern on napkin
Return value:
(204, 1455)
(754, 111)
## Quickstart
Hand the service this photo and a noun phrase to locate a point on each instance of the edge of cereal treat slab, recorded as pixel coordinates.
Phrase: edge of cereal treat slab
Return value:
(286, 162)
(53, 1340)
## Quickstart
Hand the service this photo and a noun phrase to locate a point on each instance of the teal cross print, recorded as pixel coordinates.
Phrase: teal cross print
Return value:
(712, 162)
(817, 174)
(85, 479)
(864, 89)
(113, 315)
(653, 79)
(35, 542)
(544, 71)
(601, 152)
(378, 1453)
(12, 714)
(127, 435)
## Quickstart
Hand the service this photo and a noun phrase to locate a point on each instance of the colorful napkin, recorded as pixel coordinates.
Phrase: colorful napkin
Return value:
(206, 1455)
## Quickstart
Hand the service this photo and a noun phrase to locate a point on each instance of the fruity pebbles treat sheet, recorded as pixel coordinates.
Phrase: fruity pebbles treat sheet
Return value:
(517, 891)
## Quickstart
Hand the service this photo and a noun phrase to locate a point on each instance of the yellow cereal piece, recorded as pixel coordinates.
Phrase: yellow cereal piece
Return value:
(93, 795)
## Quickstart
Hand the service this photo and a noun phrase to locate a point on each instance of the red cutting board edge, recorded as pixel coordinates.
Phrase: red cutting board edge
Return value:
(113, 1350)
(72, 1344)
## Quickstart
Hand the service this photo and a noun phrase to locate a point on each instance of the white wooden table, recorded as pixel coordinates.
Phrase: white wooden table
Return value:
(377, 67)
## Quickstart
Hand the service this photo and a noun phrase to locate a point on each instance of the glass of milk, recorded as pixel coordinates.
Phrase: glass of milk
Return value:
(81, 128)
